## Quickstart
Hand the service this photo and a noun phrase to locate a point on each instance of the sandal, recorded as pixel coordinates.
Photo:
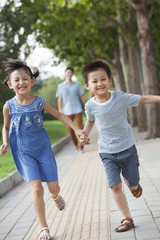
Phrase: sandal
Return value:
(125, 225)
(61, 204)
(136, 193)
(45, 235)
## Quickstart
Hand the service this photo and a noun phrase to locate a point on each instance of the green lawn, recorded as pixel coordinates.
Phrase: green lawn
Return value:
(56, 130)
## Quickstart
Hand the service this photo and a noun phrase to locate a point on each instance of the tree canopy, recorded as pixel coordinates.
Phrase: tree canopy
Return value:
(80, 31)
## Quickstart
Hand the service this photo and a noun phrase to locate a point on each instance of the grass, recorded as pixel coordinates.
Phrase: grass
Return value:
(56, 130)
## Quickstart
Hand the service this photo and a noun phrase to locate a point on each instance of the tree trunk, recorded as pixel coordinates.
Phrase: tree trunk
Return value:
(117, 73)
(138, 82)
(148, 63)
(124, 59)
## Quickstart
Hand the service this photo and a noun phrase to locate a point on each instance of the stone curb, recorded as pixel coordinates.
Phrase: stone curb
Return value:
(15, 178)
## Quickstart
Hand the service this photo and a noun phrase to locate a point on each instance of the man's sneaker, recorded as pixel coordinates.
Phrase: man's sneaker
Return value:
(80, 150)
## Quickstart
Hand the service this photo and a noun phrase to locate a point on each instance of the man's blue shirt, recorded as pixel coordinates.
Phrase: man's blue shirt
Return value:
(70, 94)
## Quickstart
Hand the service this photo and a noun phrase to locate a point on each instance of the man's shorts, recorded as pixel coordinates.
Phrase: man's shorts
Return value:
(125, 162)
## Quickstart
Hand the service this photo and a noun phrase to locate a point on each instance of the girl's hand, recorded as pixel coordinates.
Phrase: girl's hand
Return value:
(82, 136)
(3, 148)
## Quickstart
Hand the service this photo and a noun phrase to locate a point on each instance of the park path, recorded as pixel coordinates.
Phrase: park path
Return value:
(90, 211)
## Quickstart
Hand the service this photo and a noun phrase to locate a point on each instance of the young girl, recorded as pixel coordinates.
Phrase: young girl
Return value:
(30, 145)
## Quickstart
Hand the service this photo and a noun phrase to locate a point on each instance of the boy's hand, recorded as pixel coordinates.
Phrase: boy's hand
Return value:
(85, 141)
(82, 136)
(3, 148)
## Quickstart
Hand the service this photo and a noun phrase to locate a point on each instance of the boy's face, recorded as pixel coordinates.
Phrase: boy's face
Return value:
(98, 83)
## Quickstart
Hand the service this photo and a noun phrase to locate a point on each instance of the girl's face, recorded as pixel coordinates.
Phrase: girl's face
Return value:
(20, 82)
(98, 83)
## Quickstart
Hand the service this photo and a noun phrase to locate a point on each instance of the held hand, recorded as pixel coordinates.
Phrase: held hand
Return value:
(85, 141)
(82, 136)
(3, 148)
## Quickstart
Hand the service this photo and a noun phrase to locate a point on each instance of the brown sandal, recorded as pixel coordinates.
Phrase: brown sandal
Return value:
(136, 193)
(125, 225)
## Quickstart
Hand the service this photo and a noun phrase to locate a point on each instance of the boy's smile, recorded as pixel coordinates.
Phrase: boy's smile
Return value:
(99, 83)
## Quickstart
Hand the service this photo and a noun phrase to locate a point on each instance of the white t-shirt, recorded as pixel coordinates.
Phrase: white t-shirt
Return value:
(115, 133)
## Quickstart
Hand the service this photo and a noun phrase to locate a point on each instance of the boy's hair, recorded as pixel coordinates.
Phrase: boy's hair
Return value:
(94, 66)
(70, 68)
(13, 64)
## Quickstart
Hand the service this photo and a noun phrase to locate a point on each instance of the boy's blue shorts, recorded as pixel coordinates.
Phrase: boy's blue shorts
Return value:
(125, 162)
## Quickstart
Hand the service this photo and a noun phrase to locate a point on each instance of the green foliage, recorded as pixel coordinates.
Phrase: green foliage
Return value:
(48, 91)
(77, 33)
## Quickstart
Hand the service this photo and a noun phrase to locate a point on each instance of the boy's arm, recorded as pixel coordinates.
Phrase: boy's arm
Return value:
(5, 130)
(88, 126)
(66, 120)
(150, 99)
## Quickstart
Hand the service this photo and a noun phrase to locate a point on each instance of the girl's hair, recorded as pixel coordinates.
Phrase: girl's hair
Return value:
(94, 66)
(13, 64)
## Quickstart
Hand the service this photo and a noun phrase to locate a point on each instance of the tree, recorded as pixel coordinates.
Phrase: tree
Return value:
(148, 62)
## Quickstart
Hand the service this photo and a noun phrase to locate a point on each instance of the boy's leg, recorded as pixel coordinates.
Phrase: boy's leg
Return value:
(113, 170)
(122, 204)
(120, 200)
(130, 172)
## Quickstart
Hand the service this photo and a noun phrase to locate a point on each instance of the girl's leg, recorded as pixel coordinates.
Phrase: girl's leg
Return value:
(54, 190)
(38, 193)
(121, 202)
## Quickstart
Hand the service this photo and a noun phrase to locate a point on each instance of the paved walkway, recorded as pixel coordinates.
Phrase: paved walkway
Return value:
(90, 211)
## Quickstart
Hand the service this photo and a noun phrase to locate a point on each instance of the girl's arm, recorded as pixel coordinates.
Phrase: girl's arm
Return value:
(5, 130)
(150, 99)
(66, 120)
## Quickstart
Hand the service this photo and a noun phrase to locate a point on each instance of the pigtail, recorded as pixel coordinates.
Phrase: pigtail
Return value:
(35, 72)
(5, 81)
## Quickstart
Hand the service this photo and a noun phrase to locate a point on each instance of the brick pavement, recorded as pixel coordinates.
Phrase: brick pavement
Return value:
(90, 210)
(84, 189)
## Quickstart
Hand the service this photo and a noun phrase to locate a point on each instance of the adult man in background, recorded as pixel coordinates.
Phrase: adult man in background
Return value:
(70, 99)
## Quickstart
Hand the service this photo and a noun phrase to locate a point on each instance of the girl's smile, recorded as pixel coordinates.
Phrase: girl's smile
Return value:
(20, 82)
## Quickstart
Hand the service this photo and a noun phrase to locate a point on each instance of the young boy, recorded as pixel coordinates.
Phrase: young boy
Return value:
(115, 142)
